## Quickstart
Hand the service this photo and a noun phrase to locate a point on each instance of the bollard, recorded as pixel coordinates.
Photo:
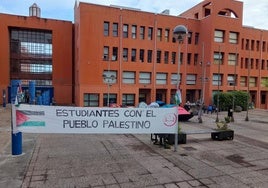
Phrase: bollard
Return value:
(16, 137)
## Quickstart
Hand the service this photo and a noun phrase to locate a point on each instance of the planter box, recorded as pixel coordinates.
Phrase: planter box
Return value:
(181, 138)
(223, 135)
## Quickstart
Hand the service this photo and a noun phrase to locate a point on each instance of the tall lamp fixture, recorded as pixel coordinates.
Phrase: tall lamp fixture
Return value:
(108, 79)
(179, 33)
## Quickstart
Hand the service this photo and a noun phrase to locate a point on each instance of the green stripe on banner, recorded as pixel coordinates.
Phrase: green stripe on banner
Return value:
(34, 124)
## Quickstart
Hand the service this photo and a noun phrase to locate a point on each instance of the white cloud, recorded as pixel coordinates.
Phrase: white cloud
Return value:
(255, 11)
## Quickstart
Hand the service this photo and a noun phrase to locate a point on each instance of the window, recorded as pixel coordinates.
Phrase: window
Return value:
(166, 35)
(158, 56)
(128, 77)
(263, 97)
(231, 80)
(133, 55)
(174, 79)
(112, 99)
(145, 78)
(196, 39)
(115, 52)
(218, 58)
(233, 37)
(190, 79)
(142, 32)
(173, 58)
(128, 99)
(125, 31)
(134, 31)
(36, 44)
(217, 79)
(243, 82)
(218, 36)
(150, 33)
(252, 82)
(189, 56)
(106, 29)
(106, 53)
(141, 55)
(195, 59)
(91, 99)
(149, 56)
(166, 57)
(159, 34)
(161, 78)
(115, 29)
(263, 81)
(189, 36)
(232, 59)
(125, 54)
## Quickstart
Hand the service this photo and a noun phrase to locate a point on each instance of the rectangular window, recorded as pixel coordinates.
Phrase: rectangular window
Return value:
(166, 35)
(264, 80)
(232, 59)
(218, 36)
(91, 99)
(218, 58)
(128, 99)
(125, 31)
(106, 28)
(161, 78)
(134, 31)
(196, 39)
(195, 59)
(231, 80)
(233, 37)
(217, 79)
(252, 82)
(149, 56)
(243, 82)
(166, 57)
(128, 77)
(141, 55)
(145, 78)
(115, 29)
(159, 34)
(106, 53)
(174, 79)
(142, 32)
(133, 55)
(189, 36)
(263, 97)
(115, 54)
(173, 58)
(189, 56)
(158, 56)
(112, 99)
(190, 79)
(125, 54)
(150, 33)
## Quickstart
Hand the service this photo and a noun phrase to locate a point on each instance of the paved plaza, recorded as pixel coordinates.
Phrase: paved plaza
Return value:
(125, 160)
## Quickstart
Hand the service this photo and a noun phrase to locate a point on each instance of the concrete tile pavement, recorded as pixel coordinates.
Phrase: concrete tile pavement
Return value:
(53, 160)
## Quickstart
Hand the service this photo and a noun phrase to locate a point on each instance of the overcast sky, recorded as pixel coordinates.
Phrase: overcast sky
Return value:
(255, 11)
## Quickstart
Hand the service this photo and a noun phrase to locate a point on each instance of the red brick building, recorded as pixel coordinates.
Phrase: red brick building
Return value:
(127, 55)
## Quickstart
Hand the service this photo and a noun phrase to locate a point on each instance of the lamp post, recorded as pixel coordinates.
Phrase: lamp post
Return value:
(249, 64)
(179, 33)
(218, 93)
(108, 79)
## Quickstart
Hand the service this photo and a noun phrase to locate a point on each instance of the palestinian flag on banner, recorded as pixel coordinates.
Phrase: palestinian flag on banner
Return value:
(178, 100)
(23, 118)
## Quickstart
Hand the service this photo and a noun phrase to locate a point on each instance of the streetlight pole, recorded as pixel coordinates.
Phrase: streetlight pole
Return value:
(108, 79)
(179, 32)
(218, 93)
(249, 64)
(235, 80)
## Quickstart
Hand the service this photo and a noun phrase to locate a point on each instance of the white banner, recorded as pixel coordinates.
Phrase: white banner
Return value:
(85, 120)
